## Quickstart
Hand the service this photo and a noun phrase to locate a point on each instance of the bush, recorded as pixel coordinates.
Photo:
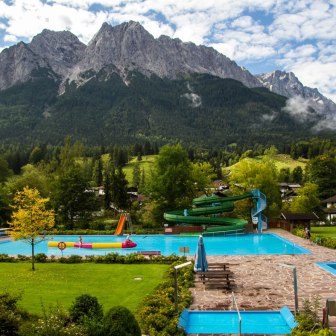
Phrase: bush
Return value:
(22, 257)
(6, 258)
(10, 317)
(41, 257)
(309, 323)
(73, 259)
(120, 321)
(97, 225)
(86, 307)
(157, 312)
(56, 323)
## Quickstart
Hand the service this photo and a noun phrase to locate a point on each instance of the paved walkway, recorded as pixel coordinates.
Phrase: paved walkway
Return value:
(261, 284)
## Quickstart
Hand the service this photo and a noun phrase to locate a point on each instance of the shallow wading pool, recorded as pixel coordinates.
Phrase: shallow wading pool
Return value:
(249, 244)
(328, 266)
(227, 322)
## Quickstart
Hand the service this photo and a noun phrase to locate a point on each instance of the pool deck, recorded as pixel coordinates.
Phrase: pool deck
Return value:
(261, 284)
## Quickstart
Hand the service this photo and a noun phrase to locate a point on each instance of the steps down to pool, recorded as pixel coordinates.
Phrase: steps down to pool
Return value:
(227, 322)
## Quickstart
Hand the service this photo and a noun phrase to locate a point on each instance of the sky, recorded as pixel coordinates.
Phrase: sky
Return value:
(261, 35)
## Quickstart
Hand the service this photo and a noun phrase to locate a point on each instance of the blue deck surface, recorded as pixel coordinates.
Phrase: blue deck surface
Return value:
(226, 322)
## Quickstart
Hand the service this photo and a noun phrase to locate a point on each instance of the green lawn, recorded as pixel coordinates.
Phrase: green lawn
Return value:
(280, 161)
(324, 231)
(55, 283)
(145, 164)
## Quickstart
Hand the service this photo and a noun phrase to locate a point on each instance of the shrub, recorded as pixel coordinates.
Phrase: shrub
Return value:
(86, 306)
(73, 259)
(41, 257)
(10, 317)
(6, 258)
(56, 323)
(309, 323)
(22, 257)
(157, 312)
(120, 321)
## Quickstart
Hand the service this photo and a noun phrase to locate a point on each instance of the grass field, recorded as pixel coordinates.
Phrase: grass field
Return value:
(324, 231)
(55, 283)
(145, 164)
(281, 161)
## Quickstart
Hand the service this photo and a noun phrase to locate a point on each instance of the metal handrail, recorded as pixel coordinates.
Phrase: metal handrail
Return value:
(223, 232)
(239, 317)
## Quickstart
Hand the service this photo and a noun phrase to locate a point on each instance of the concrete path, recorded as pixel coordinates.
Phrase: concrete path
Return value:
(261, 284)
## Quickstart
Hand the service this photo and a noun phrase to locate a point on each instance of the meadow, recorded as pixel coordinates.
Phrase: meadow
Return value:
(324, 231)
(145, 164)
(59, 284)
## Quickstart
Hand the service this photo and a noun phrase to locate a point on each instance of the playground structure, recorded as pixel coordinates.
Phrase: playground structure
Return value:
(214, 205)
(124, 218)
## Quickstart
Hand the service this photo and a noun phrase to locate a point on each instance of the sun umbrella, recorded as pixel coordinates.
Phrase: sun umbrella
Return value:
(201, 264)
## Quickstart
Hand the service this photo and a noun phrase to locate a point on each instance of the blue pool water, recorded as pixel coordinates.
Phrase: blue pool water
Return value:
(250, 244)
(226, 322)
(328, 266)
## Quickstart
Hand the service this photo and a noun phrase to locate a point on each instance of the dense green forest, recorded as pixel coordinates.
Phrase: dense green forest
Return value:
(199, 111)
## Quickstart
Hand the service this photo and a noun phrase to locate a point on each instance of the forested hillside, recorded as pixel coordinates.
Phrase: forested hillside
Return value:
(200, 110)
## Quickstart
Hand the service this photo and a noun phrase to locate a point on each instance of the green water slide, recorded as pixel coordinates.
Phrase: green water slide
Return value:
(207, 206)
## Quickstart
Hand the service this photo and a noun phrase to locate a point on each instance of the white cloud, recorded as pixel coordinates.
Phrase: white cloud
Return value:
(298, 108)
(318, 75)
(297, 34)
(10, 38)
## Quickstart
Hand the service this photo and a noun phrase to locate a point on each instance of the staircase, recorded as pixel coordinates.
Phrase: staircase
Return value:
(256, 212)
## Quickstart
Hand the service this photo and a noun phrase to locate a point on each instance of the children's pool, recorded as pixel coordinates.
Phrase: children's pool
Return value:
(226, 322)
(328, 266)
(250, 244)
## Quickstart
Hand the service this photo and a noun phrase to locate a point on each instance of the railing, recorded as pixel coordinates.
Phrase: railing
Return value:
(222, 233)
(3, 231)
(234, 302)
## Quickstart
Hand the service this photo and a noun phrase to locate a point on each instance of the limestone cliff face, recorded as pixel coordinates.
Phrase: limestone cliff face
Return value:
(17, 64)
(60, 50)
(55, 52)
(129, 46)
(288, 85)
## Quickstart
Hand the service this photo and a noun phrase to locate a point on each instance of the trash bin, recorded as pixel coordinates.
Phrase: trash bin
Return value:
(331, 307)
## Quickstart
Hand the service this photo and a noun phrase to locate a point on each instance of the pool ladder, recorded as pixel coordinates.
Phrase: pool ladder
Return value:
(234, 304)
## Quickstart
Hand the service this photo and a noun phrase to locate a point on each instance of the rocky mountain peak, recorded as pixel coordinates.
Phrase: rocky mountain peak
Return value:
(129, 46)
(62, 50)
(288, 85)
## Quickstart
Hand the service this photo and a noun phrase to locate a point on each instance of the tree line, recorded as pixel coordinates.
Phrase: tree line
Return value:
(70, 175)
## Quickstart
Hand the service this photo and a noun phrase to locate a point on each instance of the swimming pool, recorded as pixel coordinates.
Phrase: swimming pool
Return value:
(250, 244)
(328, 266)
(226, 322)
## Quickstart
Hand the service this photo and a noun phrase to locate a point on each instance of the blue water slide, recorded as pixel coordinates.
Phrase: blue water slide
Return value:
(256, 212)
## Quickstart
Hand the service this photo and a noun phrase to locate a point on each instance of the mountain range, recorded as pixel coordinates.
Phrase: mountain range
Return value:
(127, 86)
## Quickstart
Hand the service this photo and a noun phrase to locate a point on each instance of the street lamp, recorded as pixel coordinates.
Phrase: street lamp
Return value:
(175, 291)
(292, 267)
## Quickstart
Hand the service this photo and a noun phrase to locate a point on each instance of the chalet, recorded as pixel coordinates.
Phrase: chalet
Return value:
(288, 191)
(330, 208)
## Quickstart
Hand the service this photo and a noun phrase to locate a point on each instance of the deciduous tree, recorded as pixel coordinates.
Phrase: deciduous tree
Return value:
(307, 200)
(31, 218)
(248, 175)
(172, 181)
(321, 171)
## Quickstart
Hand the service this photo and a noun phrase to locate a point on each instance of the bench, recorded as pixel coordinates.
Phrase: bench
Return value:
(149, 253)
(224, 285)
(217, 279)
(224, 266)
